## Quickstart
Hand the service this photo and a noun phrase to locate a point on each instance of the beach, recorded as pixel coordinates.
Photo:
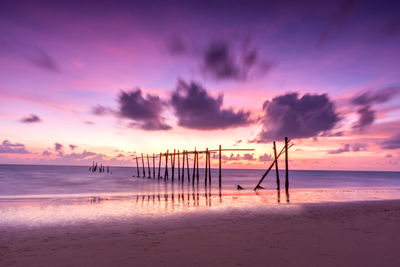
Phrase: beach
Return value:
(364, 233)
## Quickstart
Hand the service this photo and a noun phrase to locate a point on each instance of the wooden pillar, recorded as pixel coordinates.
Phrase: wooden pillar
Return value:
(197, 167)
(159, 165)
(194, 166)
(179, 167)
(154, 166)
(286, 164)
(206, 170)
(173, 165)
(220, 174)
(144, 172)
(166, 166)
(278, 183)
(148, 165)
(187, 166)
(137, 167)
(183, 165)
(209, 168)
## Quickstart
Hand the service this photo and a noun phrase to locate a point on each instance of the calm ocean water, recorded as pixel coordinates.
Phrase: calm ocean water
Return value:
(36, 180)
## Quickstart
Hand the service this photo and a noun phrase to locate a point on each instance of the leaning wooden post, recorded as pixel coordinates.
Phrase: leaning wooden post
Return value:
(144, 172)
(278, 183)
(137, 167)
(159, 165)
(286, 164)
(154, 166)
(148, 165)
(220, 159)
(194, 166)
(206, 170)
(183, 165)
(166, 166)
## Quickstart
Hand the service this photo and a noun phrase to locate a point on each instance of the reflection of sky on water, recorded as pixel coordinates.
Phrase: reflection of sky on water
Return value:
(74, 209)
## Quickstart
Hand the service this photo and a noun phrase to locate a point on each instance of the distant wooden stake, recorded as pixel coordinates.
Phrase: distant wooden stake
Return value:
(183, 165)
(137, 167)
(166, 166)
(144, 172)
(209, 168)
(187, 166)
(278, 183)
(286, 164)
(154, 166)
(194, 166)
(179, 167)
(220, 159)
(173, 166)
(148, 165)
(159, 165)
(206, 170)
(197, 166)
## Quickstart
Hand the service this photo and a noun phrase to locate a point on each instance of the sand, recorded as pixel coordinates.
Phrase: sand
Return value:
(330, 234)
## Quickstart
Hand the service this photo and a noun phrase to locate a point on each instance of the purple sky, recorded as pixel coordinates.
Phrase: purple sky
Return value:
(105, 79)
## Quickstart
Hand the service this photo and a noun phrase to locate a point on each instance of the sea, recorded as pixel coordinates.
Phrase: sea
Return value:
(46, 194)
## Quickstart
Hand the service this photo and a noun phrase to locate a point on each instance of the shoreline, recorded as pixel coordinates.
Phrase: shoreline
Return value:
(363, 233)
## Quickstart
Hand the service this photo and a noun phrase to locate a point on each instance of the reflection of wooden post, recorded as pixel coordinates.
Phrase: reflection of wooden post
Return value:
(144, 172)
(287, 164)
(278, 183)
(179, 167)
(137, 167)
(148, 165)
(159, 165)
(166, 166)
(154, 165)
(220, 158)
(206, 170)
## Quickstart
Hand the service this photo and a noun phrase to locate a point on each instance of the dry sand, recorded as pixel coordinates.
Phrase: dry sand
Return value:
(340, 234)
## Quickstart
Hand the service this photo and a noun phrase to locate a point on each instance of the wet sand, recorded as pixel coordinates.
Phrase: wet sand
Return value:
(330, 234)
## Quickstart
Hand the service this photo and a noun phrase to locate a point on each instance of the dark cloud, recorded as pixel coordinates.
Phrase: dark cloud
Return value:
(265, 158)
(389, 156)
(356, 147)
(144, 111)
(392, 142)
(120, 155)
(72, 147)
(100, 110)
(46, 153)
(289, 115)
(366, 100)
(176, 45)
(221, 62)
(58, 147)
(41, 59)
(31, 119)
(7, 147)
(237, 142)
(196, 109)
(89, 122)
(79, 156)
(248, 156)
(366, 118)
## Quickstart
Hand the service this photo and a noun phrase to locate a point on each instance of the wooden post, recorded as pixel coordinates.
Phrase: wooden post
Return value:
(194, 166)
(197, 166)
(179, 167)
(183, 165)
(166, 166)
(278, 183)
(159, 165)
(148, 166)
(220, 159)
(144, 172)
(286, 164)
(137, 167)
(154, 166)
(209, 169)
(187, 166)
(206, 170)
(173, 166)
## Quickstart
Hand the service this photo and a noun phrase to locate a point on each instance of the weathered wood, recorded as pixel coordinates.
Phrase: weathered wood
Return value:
(220, 174)
(154, 166)
(194, 167)
(144, 170)
(137, 167)
(286, 164)
(278, 183)
(179, 167)
(197, 167)
(166, 166)
(173, 166)
(209, 169)
(206, 170)
(148, 165)
(187, 166)
(183, 166)
(159, 166)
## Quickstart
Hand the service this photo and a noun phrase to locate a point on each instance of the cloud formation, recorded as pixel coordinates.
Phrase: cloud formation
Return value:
(392, 142)
(294, 117)
(7, 147)
(196, 109)
(144, 111)
(58, 147)
(265, 158)
(31, 119)
(42, 60)
(356, 147)
(72, 147)
(366, 100)
(46, 153)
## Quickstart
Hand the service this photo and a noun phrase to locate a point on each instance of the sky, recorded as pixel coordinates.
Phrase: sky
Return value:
(84, 81)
